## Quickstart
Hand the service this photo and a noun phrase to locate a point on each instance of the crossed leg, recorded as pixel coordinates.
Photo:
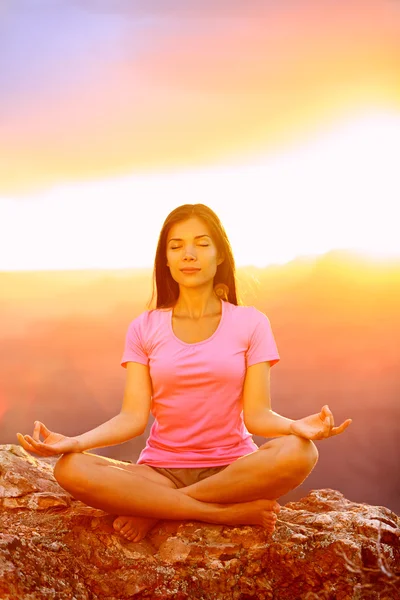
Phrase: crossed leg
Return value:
(277, 467)
(136, 528)
(243, 493)
(290, 460)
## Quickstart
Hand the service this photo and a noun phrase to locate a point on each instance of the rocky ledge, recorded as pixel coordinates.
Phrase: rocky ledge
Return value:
(54, 547)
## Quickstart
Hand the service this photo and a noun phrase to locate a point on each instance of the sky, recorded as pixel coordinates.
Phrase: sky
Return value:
(283, 117)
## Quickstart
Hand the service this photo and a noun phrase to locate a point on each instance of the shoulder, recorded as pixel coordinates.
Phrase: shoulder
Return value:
(146, 320)
(139, 320)
(247, 319)
(259, 316)
(249, 314)
(252, 321)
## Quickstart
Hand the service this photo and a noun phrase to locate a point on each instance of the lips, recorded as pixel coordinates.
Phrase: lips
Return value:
(190, 270)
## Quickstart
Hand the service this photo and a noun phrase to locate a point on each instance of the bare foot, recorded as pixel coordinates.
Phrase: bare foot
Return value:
(133, 529)
(257, 512)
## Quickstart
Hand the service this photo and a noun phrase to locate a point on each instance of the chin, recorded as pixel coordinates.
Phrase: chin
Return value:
(194, 284)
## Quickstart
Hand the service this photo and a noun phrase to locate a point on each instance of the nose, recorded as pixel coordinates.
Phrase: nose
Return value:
(189, 254)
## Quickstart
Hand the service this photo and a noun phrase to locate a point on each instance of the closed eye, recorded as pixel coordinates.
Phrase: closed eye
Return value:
(177, 247)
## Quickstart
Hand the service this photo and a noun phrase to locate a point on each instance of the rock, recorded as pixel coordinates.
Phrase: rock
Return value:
(54, 547)
(23, 486)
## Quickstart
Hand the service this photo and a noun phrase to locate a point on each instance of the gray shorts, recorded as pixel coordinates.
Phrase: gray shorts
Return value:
(184, 477)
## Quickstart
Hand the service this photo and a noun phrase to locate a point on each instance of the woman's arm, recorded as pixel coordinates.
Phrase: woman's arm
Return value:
(129, 423)
(133, 417)
(259, 418)
(117, 430)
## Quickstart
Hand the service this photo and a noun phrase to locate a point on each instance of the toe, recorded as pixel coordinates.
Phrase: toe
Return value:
(269, 521)
(126, 529)
(118, 523)
(270, 524)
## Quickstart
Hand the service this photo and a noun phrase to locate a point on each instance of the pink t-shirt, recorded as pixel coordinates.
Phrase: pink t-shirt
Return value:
(197, 388)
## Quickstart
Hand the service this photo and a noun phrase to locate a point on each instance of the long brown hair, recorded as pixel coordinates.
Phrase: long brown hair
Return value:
(164, 286)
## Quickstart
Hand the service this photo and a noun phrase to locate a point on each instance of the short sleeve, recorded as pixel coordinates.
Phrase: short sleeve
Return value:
(262, 346)
(134, 350)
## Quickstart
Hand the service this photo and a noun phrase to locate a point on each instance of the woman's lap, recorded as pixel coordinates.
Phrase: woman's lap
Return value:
(141, 470)
(182, 477)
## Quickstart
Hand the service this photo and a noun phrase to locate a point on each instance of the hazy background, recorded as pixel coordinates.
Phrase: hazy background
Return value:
(336, 322)
(282, 117)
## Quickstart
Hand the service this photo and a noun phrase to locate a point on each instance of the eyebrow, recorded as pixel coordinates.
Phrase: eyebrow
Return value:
(196, 238)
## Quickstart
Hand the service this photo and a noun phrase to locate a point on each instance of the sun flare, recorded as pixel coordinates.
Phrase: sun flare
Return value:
(339, 190)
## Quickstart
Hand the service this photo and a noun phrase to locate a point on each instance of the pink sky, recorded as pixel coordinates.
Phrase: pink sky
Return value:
(89, 94)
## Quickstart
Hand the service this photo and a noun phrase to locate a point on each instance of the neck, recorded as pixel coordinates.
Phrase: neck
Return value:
(196, 303)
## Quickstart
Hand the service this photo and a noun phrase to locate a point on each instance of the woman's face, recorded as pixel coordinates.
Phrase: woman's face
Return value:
(192, 255)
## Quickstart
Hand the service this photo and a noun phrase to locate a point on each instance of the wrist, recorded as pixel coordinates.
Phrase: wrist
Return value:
(294, 430)
(78, 444)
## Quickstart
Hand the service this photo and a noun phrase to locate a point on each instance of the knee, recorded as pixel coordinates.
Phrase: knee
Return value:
(300, 455)
(68, 470)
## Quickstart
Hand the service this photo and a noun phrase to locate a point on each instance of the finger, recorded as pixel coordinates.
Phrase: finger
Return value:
(327, 417)
(325, 431)
(25, 444)
(324, 414)
(330, 421)
(342, 427)
(39, 447)
(43, 429)
(36, 431)
(36, 446)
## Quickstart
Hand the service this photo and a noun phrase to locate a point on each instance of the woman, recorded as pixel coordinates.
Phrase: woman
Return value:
(201, 364)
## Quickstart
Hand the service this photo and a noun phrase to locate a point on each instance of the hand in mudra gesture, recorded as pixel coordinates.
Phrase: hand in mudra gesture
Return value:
(52, 444)
(318, 426)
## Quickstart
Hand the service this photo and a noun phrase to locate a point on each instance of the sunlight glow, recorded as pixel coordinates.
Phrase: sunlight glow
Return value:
(340, 190)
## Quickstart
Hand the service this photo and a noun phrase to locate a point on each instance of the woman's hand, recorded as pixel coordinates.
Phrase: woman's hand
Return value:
(318, 426)
(53, 443)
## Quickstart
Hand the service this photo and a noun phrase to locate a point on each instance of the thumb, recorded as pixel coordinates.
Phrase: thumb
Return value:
(324, 411)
